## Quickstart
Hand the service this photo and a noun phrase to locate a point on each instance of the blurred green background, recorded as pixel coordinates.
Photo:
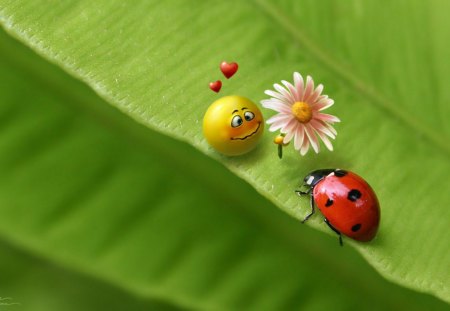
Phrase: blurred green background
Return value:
(99, 212)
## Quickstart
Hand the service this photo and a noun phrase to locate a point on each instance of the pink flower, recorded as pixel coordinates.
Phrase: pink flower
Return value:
(299, 115)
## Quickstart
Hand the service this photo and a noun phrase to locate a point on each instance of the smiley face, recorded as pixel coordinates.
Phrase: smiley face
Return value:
(233, 125)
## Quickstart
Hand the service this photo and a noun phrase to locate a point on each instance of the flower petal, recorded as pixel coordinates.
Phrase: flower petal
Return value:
(327, 117)
(315, 95)
(305, 146)
(291, 89)
(281, 123)
(299, 135)
(312, 138)
(291, 133)
(284, 92)
(323, 104)
(277, 105)
(330, 128)
(299, 85)
(278, 124)
(289, 126)
(279, 117)
(325, 140)
(308, 89)
(277, 96)
(320, 126)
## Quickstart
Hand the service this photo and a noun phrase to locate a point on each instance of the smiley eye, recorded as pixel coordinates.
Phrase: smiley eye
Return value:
(236, 121)
(248, 115)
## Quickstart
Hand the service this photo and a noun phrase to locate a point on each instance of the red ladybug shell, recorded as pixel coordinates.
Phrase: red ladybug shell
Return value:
(349, 204)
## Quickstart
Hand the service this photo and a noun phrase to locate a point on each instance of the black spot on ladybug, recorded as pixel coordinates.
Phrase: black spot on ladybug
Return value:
(340, 173)
(354, 195)
(329, 203)
(356, 227)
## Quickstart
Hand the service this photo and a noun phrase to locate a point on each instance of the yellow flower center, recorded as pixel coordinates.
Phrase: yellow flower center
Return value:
(302, 112)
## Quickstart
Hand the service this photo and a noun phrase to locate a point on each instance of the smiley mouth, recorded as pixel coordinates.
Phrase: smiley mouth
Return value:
(249, 135)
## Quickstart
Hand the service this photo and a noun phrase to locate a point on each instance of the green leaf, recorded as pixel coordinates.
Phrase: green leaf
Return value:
(86, 189)
(30, 283)
(97, 197)
(385, 64)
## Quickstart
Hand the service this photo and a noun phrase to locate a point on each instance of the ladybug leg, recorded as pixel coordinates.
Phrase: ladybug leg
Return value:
(312, 208)
(334, 229)
(300, 192)
(307, 192)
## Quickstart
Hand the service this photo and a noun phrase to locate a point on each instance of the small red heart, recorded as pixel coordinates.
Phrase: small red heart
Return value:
(228, 69)
(215, 86)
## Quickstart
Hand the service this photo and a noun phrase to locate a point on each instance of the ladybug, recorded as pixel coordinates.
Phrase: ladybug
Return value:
(346, 200)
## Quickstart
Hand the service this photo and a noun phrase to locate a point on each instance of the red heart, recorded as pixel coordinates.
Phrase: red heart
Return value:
(215, 86)
(228, 69)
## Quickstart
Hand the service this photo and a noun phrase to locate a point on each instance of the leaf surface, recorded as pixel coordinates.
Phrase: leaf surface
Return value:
(31, 283)
(384, 64)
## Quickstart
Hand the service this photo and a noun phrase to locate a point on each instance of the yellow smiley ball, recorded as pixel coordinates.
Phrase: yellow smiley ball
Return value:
(233, 125)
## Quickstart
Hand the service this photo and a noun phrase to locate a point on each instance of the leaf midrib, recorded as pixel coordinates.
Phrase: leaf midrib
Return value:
(367, 91)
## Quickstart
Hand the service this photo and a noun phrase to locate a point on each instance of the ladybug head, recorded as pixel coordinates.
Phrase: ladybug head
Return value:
(315, 176)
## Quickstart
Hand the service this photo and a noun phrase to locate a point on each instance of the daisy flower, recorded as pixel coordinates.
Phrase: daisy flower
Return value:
(299, 115)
